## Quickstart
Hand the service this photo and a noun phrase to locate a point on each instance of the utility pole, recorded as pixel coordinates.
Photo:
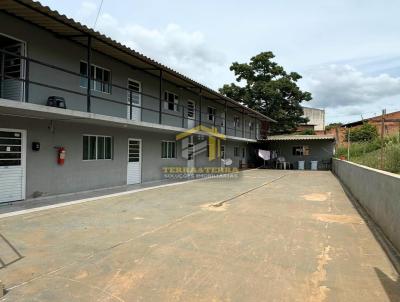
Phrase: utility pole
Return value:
(337, 137)
(382, 136)
(348, 143)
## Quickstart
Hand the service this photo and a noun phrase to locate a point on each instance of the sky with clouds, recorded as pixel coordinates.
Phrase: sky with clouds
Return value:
(348, 51)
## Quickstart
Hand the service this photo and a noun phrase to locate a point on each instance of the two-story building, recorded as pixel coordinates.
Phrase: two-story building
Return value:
(80, 111)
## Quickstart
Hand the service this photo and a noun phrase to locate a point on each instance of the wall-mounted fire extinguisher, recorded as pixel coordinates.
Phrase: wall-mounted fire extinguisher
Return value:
(61, 156)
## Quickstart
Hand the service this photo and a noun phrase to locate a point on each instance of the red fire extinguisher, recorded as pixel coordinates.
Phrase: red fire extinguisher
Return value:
(61, 156)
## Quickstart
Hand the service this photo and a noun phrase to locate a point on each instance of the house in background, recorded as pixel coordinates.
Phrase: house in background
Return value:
(80, 111)
(316, 121)
(292, 149)
(391, 126)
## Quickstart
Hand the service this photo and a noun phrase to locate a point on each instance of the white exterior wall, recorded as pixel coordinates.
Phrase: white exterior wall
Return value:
(316, 117)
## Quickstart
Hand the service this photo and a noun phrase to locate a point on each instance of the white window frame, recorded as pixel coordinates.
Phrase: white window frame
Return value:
(169, 154)
(23, 64)
(304, 150)
(138, 92)
(97, 151)
(167, 102)
(94, 86)
(211, 115)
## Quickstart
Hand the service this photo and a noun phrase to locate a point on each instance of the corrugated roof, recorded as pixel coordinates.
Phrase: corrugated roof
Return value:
(299, 137)
(374, 118)
(62, 26)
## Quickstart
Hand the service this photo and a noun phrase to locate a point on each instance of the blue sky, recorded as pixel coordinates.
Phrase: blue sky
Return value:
(348, 52)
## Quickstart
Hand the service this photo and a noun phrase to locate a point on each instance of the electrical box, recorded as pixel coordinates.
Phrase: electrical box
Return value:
(35, 146)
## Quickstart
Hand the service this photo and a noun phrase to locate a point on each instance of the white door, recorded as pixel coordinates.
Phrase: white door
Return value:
(12, 164)
(191, 114)
(134, 99)
(134, 161)
(13, 69)
(223, 122)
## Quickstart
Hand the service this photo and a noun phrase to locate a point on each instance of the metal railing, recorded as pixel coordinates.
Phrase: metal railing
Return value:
(154, 107)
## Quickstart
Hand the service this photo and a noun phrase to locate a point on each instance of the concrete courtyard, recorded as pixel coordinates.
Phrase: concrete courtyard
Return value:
(267, 236)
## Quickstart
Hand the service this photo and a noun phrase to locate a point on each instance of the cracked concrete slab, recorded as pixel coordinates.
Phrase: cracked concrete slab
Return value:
(276, 236)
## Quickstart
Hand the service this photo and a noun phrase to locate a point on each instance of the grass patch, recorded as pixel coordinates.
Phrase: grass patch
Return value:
(369, 154)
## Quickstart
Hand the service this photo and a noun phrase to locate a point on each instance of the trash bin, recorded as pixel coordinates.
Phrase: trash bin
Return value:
(314, 165)
(301, 165)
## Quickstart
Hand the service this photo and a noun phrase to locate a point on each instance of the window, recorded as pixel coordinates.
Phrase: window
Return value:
(97, 147)
(301, 150)
(134, 92)
(211, 113)
(236, 151)
(251, 126)
(101, 78)
(168, 149)
(236, 121)
(171, 101)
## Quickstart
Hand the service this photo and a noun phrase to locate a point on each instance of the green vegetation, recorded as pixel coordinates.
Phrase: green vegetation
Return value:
(306, 132)
(366, 132)
(332, 126)
(369, 153)
(264, 85)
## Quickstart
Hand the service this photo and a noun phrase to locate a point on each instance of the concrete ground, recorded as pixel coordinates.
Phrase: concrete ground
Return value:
(273, 236)
(31, 203)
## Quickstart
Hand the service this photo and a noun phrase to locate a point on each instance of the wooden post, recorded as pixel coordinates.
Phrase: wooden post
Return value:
(348, 144)
(382, 136)
(337, 137)
(399, 133)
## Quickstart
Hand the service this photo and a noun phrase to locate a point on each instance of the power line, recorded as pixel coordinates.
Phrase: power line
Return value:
(98, 14)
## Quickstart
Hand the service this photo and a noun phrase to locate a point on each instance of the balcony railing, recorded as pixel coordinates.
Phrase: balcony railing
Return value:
(37, 80)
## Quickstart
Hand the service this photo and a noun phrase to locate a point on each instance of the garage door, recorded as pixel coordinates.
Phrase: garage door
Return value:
(12, 165)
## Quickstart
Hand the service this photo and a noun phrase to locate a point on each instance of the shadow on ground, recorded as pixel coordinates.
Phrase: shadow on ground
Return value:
(392, 287)
(8, 253)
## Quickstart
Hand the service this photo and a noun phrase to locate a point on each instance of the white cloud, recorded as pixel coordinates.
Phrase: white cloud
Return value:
(185, 51)
(335, 86)
(86, 10)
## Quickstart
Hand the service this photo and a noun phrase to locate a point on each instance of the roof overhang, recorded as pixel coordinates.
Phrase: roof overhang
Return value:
(299, 138)
(67, 28)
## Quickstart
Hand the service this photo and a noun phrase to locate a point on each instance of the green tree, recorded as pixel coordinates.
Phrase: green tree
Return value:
(366, 132)
(270, 90)
(307, 132)
(333, 126)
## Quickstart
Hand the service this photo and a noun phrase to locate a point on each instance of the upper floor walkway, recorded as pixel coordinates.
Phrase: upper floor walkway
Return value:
(44, 54)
